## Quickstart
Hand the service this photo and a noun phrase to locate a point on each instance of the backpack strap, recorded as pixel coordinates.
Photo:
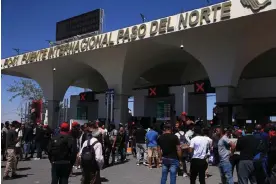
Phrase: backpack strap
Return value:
(91, 146)
(94, 144)
(88, 143)
(83, 138)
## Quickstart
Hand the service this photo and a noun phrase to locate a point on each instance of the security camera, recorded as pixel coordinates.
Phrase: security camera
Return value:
(181, 46)
(54, 69)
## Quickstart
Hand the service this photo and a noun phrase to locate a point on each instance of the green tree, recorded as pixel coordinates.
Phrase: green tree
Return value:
(26, 89)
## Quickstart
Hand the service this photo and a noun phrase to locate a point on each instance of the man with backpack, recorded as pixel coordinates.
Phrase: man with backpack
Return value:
(62, 154)
(91, 157)
(106, 144)
(184, 147)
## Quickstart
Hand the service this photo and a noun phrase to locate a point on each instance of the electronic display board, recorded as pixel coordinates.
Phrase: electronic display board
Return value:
(79, 25)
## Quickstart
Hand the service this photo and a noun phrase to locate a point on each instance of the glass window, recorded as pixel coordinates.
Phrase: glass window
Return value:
(82, 113)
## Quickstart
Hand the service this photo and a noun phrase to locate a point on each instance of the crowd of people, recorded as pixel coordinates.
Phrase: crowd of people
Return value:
(91, 147)
(66, 148)
(251, 150)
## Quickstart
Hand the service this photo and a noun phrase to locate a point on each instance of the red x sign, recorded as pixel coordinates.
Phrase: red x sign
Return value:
(152, 92)
(82, 97)
(200, 87)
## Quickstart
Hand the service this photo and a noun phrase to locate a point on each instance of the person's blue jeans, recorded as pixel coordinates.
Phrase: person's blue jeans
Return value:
(169, 165)
(27, 147)
(226, 175)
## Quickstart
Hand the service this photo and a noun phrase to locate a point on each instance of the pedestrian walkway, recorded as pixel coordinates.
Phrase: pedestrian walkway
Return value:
(39, 172)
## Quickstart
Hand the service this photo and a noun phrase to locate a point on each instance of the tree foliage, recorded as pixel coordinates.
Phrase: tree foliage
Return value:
(26, 89)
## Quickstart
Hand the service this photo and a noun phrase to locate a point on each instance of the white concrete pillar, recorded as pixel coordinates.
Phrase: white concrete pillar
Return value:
(120, 109)
(139, 97)
(225, 94)
(181, 94)
(53, 113)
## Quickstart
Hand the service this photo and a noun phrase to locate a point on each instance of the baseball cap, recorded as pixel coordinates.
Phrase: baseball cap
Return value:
(183, 114)
(64, 126)
(74, 124)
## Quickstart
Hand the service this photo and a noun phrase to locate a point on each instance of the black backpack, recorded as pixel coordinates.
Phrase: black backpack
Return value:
(182, 138)
(88, 157)
(3, 139)
(59, 148)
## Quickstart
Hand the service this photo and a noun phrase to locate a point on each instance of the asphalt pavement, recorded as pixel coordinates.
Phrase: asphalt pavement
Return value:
(39, 171)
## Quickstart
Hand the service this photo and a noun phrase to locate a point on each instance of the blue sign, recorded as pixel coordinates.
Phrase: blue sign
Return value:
(110, 91)
(106, 97)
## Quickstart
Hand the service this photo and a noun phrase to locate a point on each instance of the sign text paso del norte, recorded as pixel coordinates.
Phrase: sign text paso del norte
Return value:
(178, 22)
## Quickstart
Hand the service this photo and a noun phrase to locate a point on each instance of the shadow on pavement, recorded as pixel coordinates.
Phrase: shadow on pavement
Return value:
(119, 163)
(18, 176)
(104, 179)
(78, 173)
(23, 168)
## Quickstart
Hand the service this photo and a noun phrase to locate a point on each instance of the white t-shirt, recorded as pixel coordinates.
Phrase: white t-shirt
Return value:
(234, 141)
(189, 134)
(20, 135)
(200, 145)
(209, 145)
(103, 131)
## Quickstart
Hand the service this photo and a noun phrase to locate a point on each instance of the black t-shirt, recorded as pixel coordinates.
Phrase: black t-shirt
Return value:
(33, 117)
(39, 135)
(3, 139)
(168, 143)
(247, 145)
(140, 135)
(11, 138)
(28, 134)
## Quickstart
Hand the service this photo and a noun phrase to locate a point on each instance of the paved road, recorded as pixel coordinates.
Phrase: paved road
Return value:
(127, 173)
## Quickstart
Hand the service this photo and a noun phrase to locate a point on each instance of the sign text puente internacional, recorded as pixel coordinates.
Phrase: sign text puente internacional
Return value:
(174, 23)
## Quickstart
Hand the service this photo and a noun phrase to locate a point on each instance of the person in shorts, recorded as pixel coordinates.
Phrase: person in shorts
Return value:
(151, 138)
